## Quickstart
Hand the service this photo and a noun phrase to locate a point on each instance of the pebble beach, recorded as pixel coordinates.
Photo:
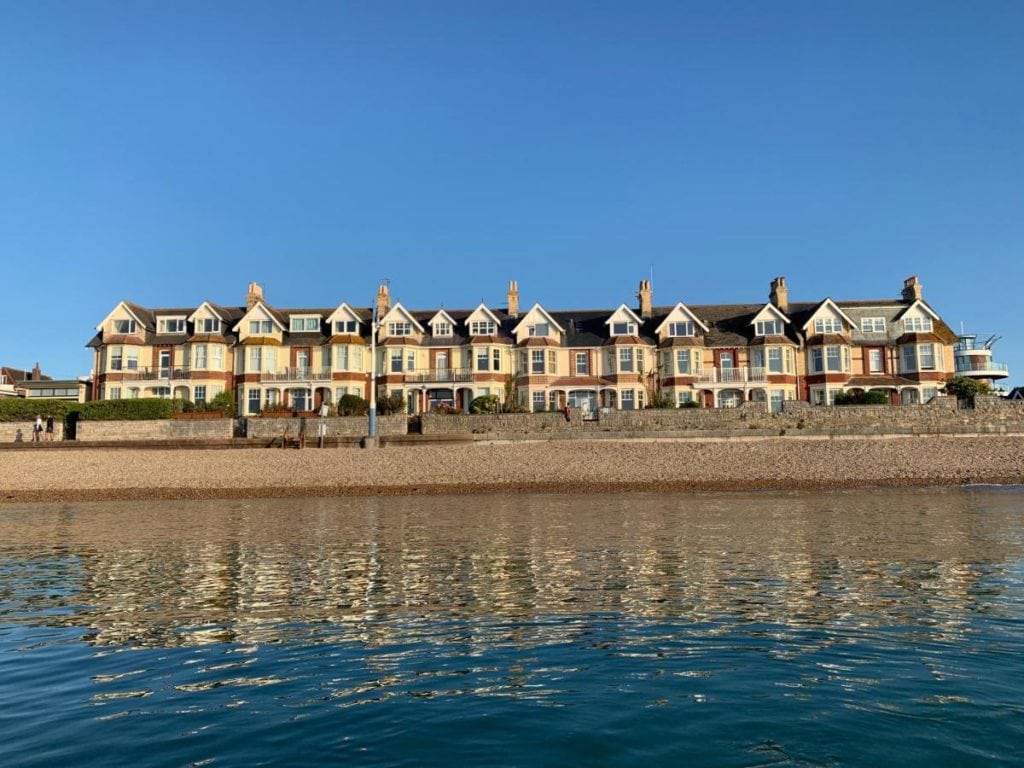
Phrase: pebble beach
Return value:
(521, 466)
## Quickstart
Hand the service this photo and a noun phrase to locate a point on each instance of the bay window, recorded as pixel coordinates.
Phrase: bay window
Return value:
(625, 360)
(255, 359)
(396, 361)
(537, 362)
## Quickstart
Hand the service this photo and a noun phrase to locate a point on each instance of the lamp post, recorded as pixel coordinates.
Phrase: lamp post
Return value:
(373, 373)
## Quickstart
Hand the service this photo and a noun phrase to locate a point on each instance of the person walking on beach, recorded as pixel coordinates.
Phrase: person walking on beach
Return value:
(49, 428)
(37, 428)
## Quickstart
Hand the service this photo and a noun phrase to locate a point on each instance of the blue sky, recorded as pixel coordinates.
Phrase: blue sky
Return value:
(170, 153)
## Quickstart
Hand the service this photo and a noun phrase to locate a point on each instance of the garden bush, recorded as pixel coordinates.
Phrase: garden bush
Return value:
(485, 404)
(352, 405)
(21, 409)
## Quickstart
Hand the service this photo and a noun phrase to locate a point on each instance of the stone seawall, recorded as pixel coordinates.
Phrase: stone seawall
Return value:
(9, 431)
(940, 416)
(155, 429)
(337, 426)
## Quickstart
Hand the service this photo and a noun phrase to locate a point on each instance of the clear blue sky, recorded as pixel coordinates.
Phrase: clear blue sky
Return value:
(168, 153)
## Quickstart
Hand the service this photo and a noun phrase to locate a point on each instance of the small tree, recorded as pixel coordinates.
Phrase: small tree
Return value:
(511, 402)
(485, 404)
(965, 388)
(352, 405)
(661, 401)
(222, 402)
(392, 404)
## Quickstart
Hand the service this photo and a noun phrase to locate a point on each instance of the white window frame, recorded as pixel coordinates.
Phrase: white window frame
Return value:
(774, 362)
(626, 360)
(922, 357)
(442, 328)
(208, 325)
(624, 328)
(582, 364)
(125, 327)
(216, 357)
(166, 325)
(918, 324)
(682, 329)
(481, 328)
(768, 328)
(200, 357)
(199, 393)
(828, 325)
(684, 362)
(872, 325)
(346, 326)
(260, 327)
(539, 330)
(400, 328)
(873, 353)
(250, 400)
(537, 361)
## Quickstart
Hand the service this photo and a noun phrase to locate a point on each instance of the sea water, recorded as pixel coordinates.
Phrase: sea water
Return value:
(871, 627)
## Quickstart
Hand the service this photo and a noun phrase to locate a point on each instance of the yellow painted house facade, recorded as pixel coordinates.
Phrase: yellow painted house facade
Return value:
(627, 357)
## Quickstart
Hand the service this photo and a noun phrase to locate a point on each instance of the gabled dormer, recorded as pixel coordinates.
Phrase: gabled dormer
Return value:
(344, 321)
(623, 322)
(259, 325)
(399, 323)
(171, 324)
(124, 320)
(917, 318)
(828, 318)
(538, 324)
(770, 321)
(207, 319)
(482, 322)
(442, 326)
(680, 323)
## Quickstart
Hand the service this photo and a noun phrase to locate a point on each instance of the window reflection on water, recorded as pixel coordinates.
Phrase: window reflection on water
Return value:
(495, 570)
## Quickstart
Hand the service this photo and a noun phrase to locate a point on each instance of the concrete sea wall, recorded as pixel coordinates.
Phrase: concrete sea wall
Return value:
(155, 429)
(337, 426)
(9, 431)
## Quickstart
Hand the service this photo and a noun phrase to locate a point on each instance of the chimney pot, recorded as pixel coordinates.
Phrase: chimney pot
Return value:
(253, 295)
(912, 289)
(383, 303)
(513, 298)
(646, 297)
(779, 294)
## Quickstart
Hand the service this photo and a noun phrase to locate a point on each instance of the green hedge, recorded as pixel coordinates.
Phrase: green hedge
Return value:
(124, 410)
(21, 409)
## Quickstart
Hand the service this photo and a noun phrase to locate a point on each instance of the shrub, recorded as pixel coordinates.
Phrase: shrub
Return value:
(690, 404)
(125, 410)
(446, 409)
(862, 398)
(392, 404)
(20, 409)
(662, 401)
(222, 402)
(352, 405)
(485, 404)
(965, 388)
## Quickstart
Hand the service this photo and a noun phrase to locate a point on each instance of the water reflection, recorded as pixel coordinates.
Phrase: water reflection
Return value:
(523, 570)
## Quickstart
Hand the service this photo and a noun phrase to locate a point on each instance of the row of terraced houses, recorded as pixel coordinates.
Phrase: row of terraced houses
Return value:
(712, 355)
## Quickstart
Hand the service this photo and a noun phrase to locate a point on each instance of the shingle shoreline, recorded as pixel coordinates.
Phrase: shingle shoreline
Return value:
(581, 466)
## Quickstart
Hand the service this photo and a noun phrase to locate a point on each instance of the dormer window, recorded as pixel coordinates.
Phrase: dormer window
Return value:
(172, 325)
(257, 327)
(124, 326)
(917, 324)
(305, 324)
(208, 325)
(481, 328)
(624, 329)
(872, 324)
(768, 328)
(400, 329)
(687, 328)
(346, 326)
(442, 328)
(540, 330)
(828, 325)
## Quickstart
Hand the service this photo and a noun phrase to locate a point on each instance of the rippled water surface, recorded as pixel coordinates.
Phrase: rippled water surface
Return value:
(854, 628)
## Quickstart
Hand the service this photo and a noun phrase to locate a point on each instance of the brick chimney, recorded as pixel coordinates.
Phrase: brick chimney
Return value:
(646, 297)
(912, 289)
(779, 295)
(253, 295)
(383, 303)
(513, 298)
(37, 373)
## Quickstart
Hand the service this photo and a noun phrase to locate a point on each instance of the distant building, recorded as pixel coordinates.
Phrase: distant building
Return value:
(1017, 393)
(973, 359)
(716, 355)
(15, 382)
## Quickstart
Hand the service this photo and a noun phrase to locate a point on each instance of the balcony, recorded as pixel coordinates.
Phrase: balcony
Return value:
(439, 376)
(732, 376)
(979, 366)
(299, 374)
(152, 374)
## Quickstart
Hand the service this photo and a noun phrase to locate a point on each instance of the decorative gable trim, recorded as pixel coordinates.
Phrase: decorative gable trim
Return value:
(344, 311)
(120, 305)
(266, 314)
(538, 309)
(209, 308)
(769, 311)
(828, 304)
(482, 308)
(918, 305)
(624, 308)
(398, 309)
(440, 316)
(680, 309)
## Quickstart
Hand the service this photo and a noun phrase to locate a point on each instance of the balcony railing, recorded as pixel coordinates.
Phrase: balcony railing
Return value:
(971, 365)
(152, 374)
(297, 374)
(439, 376)
(741, 375)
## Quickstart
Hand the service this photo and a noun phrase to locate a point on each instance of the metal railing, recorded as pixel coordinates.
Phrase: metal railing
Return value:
(152, 374)
(740, 375)
(297, 374)
(969, 365)
(439, 375)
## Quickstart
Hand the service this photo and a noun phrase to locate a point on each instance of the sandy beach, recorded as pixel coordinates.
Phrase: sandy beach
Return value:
(593, 466)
